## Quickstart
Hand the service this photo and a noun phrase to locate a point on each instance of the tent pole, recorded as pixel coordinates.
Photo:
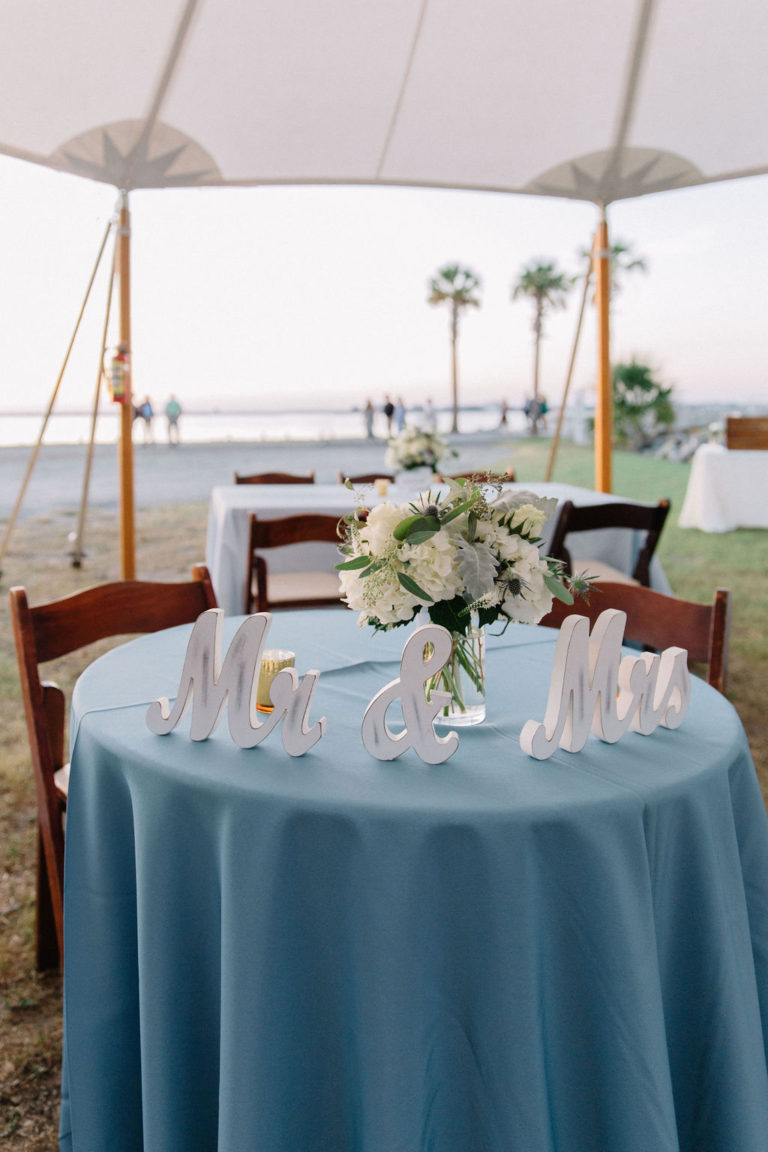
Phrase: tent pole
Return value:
(556, 438)
(76, 551)
(604, 405)
(36, 450)
(125, 455)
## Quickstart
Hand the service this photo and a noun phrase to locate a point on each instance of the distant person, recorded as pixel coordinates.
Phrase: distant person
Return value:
(389, 411)
(399, 414)
(368, 413)
(503, 416)
(428, 416)
(172, 414)
(543, 409)
(146, 414)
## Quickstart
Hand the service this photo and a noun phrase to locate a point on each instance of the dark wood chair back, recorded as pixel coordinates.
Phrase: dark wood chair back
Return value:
(44, 633)
(648, 518)
(482, 477)
(658, 621)
(274, 478)
(746, 432)
(264, 591)
(366, 477)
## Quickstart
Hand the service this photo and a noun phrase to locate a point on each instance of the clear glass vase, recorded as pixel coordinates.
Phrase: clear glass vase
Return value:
(463, 676)
(415, 479)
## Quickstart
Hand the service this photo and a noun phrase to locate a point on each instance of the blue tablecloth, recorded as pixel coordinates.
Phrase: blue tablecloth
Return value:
(335, 954)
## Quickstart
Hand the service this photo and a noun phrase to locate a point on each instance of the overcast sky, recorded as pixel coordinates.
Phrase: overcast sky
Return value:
(277, 297)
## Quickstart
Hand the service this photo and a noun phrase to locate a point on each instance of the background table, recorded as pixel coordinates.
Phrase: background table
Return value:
(332, 953)
(227, 541)
(727, 489)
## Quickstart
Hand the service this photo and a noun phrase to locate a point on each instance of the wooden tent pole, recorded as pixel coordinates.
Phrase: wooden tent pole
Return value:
(556, 438)
(36, 450)
(76, 551)
(125, 450)
(604, 404)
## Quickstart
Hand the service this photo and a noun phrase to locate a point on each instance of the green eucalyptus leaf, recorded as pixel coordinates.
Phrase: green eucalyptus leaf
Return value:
(417, 523)
(355, 563)
(411, 586)
(420, 536)
(557, 589)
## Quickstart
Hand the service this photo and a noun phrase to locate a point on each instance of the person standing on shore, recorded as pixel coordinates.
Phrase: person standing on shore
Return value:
(368, 413)
(389, 411)
(399, 415)
(172, 414)
(146, 414)
(428, 416)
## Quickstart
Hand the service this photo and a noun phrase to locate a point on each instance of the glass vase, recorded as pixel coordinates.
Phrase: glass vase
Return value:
(463, 676)
(415, 479)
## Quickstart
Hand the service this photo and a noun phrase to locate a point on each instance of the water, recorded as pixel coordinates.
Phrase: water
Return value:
(224, 427)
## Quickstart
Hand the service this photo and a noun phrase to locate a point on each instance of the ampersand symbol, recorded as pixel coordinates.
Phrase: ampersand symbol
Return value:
(418, 712)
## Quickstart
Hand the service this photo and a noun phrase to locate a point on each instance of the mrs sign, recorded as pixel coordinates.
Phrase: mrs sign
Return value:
(592, 688)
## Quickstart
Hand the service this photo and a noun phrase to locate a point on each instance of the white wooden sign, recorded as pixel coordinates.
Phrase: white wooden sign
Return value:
(418, 712)
(592, 687)
(210, 685)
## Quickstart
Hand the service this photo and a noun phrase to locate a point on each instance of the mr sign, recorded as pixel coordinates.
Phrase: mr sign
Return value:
(208, 685)
(592, 687)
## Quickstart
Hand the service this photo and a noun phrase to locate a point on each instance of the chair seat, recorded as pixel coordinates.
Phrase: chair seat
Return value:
(61, 780)
(598, 571)
(286, 587)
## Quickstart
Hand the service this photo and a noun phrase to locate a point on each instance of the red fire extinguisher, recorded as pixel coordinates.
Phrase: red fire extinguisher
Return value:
(117, 375)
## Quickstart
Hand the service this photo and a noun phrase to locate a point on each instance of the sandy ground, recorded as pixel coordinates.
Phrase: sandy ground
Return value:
(175, 475)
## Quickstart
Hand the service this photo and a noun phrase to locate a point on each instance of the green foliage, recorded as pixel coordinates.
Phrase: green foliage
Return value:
(642, 407)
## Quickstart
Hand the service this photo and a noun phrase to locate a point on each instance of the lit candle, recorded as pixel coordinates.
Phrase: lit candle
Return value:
(272, 661)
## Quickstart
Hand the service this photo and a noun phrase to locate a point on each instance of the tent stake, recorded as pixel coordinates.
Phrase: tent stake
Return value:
(36, 450)
(556, 438)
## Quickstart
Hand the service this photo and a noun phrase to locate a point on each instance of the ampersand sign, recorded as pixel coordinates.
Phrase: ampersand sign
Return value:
(418, 712)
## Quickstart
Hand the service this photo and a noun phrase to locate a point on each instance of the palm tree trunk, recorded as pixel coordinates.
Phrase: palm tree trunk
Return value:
(454, 367)
(536, 350)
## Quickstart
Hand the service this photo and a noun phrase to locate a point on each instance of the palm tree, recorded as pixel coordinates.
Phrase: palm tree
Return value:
(457, 286)
(548, 288)
(622, 259)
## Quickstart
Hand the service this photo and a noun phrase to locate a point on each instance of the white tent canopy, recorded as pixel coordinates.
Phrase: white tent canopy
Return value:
(599, 101)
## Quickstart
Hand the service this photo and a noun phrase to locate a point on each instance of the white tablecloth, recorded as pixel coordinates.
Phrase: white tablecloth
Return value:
(227, 542)
(726, 490)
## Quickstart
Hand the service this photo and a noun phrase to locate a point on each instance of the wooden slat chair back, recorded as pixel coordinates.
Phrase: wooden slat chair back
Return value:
(274, 478)
(591, 517)
(482, 476)
(366, 477)
(266, 591)
(46, 632)
(746, 433)
(658, 621)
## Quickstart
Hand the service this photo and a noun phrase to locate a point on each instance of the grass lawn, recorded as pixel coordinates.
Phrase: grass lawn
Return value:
(169, 541)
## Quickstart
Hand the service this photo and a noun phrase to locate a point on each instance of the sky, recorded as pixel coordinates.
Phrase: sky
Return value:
(317, 296)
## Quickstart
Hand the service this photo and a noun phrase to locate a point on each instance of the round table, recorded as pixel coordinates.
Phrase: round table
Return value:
(334, 953)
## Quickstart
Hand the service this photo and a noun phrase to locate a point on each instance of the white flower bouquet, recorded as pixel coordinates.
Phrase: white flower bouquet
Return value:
(469, 557)
(415, 448)
(472, 549)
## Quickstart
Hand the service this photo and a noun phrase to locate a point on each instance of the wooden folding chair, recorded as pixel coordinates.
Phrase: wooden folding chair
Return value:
(274, 478)
(366, 477)
(265, 591)
(45, 633)
(658, 621)
(648, 518)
